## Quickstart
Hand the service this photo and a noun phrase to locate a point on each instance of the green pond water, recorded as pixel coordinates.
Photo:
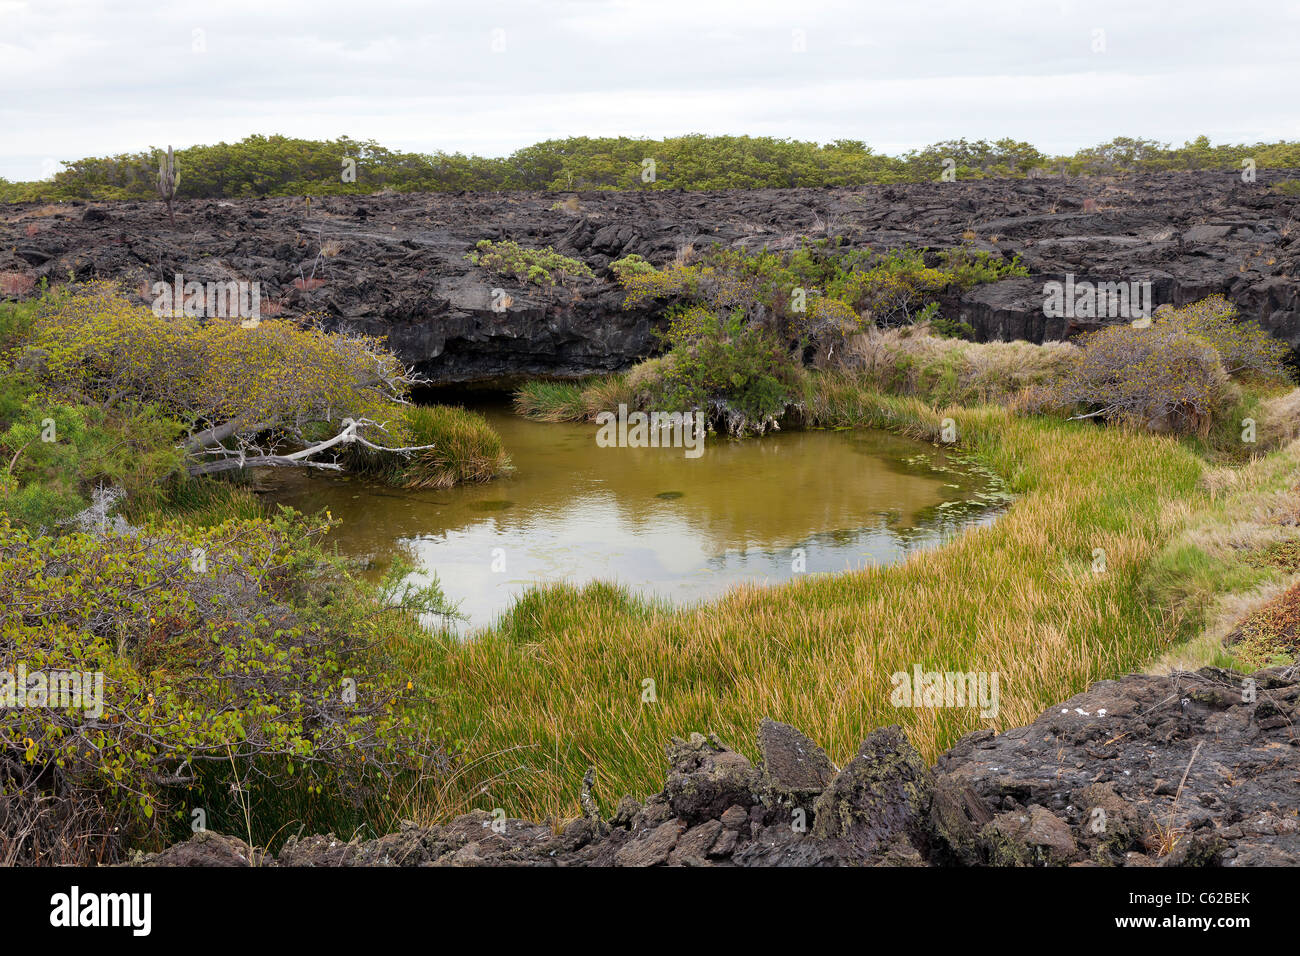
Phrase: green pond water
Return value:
(684, 529)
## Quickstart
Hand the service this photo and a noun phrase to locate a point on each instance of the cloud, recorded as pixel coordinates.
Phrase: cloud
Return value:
(91, 78)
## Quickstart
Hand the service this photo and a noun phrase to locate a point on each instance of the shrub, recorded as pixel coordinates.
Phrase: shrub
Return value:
(1242, 345)
(100, 344)
(266, 389)
(631, 265)
(544, 267)
(1158, 377)
(236, 654)
(739, 374)
(967, 268)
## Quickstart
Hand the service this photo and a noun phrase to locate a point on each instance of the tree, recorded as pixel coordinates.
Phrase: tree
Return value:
(276, 394)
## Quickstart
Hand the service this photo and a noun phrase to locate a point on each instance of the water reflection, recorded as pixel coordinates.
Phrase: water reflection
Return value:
(681, 528)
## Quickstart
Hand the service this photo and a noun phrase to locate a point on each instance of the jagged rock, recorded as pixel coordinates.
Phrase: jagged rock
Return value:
(956, 816)
(206, 848)
(735, 817)
(401, 271)
(1093, 781)
(781, 845)
(707, 777)
(1029, 836)
(625, 813)
(885, 791)
(693, 847)
(653, 848)
(793, 766)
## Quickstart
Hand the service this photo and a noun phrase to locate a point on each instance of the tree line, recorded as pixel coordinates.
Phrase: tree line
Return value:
(286, 166)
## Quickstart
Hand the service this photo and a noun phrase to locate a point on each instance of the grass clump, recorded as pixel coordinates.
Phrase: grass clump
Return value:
(543, 400)
(465, 449)
(944, 370)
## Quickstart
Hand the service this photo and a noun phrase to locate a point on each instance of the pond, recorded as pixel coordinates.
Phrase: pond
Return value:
(668, 525)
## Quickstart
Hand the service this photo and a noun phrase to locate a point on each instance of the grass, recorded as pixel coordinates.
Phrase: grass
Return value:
(466, 449)
(550, 401)
(547, 401)
(910, 361)
(1270, 636)
(558, 684)
(1236, 552)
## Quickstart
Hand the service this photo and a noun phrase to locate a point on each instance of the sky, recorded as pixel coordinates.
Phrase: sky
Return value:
(486, 76)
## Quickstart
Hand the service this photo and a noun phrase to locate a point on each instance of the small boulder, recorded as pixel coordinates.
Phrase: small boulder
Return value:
(793, 766)
(707, 777)
(653, 848)
(885, 791)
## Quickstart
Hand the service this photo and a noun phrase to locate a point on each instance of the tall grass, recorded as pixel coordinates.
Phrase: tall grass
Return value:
(547, 401)
(910, 361)
(200, 502)
(560, 682)
(550, 401)
(465, 449)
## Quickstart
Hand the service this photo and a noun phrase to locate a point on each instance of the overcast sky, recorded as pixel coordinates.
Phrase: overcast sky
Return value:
(488, 76)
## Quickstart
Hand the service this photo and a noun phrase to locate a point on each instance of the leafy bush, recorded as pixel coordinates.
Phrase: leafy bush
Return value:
(539, 266)
(268, 390)
(630, 265)
(236, 650)
(1157, 377)
(737, 372)
(1242, 345)
(100, 344)
(966, 268)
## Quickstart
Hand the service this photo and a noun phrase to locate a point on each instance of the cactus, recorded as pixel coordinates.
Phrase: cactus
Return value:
(168, 180)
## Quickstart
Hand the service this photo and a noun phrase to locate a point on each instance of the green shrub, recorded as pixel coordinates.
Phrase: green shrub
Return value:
(544, 267)
(1156, 377)
(738, 373)
(967, 268)
(631, 265)
(238, 654)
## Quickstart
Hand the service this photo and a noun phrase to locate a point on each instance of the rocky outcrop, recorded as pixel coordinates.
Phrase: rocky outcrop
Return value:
(395, 265)
(1190, 769)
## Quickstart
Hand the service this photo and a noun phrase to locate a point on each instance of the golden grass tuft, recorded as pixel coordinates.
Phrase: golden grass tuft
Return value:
(466, 449)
